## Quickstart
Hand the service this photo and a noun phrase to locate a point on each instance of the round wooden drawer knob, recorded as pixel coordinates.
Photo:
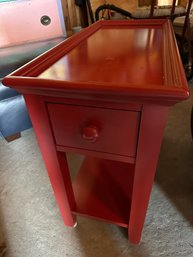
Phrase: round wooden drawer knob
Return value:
(90, 133)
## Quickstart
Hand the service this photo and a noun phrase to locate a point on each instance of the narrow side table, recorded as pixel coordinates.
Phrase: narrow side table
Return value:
(105, 94)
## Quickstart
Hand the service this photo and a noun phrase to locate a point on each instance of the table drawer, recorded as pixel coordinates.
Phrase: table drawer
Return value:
(96, 129)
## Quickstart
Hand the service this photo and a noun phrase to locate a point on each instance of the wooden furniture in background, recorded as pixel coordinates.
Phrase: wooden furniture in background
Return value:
(191, 122)
(71, 15)
(124, 4)
(74, 15)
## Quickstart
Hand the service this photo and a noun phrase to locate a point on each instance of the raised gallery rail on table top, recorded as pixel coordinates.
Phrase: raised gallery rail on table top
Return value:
(104, 93)
(172, 86)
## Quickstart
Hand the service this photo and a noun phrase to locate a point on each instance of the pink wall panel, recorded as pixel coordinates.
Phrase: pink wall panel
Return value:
(20, 21)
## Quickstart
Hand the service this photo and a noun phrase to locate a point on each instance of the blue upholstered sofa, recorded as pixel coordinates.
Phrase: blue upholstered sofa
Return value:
(14, 117)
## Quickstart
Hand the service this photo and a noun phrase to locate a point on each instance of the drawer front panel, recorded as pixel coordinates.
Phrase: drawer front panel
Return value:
(96, 129)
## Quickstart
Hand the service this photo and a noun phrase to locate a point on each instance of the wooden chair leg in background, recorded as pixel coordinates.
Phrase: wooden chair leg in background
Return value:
(191, 124)
(13, 137)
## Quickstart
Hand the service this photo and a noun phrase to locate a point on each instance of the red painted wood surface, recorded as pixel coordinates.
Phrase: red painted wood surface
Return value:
(103, 190)
(153, 121)
(112, 84)
(133, 60)
(117, 130)
(138, 51)
(55, 162)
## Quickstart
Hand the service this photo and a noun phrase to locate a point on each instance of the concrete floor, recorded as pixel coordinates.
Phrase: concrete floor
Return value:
(32, 224)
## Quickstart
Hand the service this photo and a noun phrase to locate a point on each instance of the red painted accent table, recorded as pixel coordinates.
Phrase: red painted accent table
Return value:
(104, 93)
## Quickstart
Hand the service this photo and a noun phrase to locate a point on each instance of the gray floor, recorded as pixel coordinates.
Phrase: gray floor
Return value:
(32, 224)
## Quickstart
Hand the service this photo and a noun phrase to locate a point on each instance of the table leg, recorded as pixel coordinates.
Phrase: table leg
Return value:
(153, 121)
(56, 163)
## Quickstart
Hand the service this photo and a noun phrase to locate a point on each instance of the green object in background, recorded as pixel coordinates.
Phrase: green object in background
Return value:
(1, 1)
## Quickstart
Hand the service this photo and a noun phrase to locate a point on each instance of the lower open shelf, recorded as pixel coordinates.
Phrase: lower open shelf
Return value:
(102, 190)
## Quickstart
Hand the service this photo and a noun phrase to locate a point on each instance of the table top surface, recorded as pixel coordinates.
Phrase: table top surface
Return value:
(127, 57)
(116, 55)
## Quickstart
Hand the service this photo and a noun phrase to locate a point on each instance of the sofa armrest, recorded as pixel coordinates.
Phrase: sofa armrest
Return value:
(11, 58)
